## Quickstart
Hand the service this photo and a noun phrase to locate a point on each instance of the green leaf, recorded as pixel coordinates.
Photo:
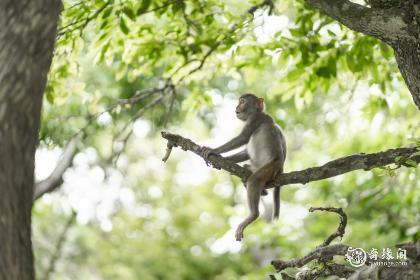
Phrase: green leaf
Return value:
(332, 66)
(129, 13)
(103, 52)
(107, 12)
(411, 162)
(178, 7)
(123, 26)
(353, 65)
(295, 32)
(323, 72)
(50, 96)
(143, 7)
(104, 24)
(294, 75)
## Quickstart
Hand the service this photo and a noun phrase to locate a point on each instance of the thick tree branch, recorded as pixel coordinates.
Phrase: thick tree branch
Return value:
(331, 169)
(384, 24)
(323, 252)
(56, 177)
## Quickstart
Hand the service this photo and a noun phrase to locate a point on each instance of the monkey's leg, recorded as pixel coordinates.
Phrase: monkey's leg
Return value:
(247, 166)
(255, 185)
(254, 188)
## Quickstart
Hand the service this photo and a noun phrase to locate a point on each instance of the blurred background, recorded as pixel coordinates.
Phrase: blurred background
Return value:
(121, 213)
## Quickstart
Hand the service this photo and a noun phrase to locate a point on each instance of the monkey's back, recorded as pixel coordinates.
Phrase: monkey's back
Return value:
(267, 143)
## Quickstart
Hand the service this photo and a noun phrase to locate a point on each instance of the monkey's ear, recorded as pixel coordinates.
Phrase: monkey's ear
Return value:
(260, 103)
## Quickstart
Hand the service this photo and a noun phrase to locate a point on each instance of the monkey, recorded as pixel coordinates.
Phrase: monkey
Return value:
(265, 148)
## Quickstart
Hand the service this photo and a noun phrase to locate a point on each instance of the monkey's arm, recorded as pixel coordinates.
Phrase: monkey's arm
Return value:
(239, 140)
(238, 157)
(236, 142)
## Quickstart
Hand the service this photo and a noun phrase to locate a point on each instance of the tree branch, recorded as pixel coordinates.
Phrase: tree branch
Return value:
(331, 169)
(59, 245)
(384, 24)
(56, 177)
(341, 227)
(323, 252)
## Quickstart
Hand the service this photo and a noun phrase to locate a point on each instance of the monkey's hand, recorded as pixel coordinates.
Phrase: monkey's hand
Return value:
(205, 152)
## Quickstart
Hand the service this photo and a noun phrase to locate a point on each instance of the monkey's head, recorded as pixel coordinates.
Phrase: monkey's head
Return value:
(248, 105)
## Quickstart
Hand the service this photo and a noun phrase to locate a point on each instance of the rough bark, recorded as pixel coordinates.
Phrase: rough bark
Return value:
(396, 23)
(333, 168)
(407, 54)
(384, 24)
(27, 33)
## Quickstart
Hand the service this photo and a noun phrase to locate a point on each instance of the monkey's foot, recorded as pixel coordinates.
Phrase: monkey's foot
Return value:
(239, 232)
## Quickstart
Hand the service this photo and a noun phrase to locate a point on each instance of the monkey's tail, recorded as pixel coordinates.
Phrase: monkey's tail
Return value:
(276, 203)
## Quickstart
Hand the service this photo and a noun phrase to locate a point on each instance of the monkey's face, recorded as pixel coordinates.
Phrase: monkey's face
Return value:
(244, 108)
(247, 106)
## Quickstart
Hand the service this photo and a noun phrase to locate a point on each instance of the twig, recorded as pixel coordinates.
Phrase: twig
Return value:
(56, 178)
(58, 247)
(168, 151)
(264, 3)
(171, 106)
(341, 227)
(153, 103)
(202, 62)
(85, 21)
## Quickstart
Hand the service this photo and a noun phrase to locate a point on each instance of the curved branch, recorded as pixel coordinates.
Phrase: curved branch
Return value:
(325, 253)
(384, 24)
(331, 169)
(56, 177)
(341, 227)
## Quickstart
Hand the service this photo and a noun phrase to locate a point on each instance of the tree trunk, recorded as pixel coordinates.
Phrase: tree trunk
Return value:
(407, 55)
(27, 34)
